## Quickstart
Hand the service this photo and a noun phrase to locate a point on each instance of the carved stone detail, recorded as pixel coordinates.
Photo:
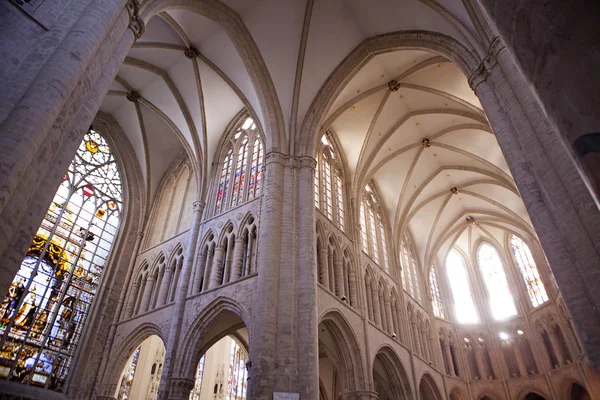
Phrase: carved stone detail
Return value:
(133, 96)
(191, 52)
(136, 24)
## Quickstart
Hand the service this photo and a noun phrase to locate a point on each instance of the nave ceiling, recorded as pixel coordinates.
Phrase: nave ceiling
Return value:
(187, 104)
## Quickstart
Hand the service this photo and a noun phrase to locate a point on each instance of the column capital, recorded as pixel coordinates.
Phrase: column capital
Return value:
(136, 23)
(290, 161)
(199, 206)
(360, 395)
(487, 64)
(179, 388)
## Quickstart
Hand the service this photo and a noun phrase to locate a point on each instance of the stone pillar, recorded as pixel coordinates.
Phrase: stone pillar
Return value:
(352, 288)
(165, 284)
(238, 258)
(390, 321)
(324, 266)
(200, 265)
(331, 273)
(483, 373)
(376, 306)
(563, 212)
(207, 269)
(132, 299)
(520, 359)
(216, 270)
(228, 260)
(146, 296)
(417, 339)
(382, 312)
(71, 83)
(556, 345)
(170, 366)
(339, 278)
(370, 308)
(448, 356)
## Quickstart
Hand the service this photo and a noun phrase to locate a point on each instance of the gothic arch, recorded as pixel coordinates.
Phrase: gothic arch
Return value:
(395, 371)
(457, 394)
(531, 389)
(488, 394)
(340, 329)
(428, 390)
(221, 317)
(123, 351)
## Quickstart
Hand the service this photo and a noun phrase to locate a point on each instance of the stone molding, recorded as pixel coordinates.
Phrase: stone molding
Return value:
(289, 161)
(487, 64)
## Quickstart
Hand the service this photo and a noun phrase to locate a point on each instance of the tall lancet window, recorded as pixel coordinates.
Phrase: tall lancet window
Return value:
(531, 276)
(43, 314)
(501, 300)
(410, 275)
(464, 306)
(329, 182)
(240, 179)
(436, 298)
(372, 228)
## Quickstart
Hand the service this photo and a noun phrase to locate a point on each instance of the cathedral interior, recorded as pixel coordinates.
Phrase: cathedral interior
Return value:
(299, 199)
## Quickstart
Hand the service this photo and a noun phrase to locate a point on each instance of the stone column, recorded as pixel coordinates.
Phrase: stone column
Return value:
(556, 345)
(417, 339)
(370, 308)
(448, 356)
(563, 212)
(324, 266)
(331, 273)
(200, 265)
(180, 387)
(163, 291)
(359, 395)
(339, 278)
(390, 321)
(238, 258)
(376, 306)
(520, 359)
(207, 269)
(216, 272)
(483, 373)
(147, 294)
(228, 260)
(250, 255)
(352, 288)
(132, 299)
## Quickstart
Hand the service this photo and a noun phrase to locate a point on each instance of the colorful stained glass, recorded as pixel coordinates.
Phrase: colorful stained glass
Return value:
(195, 393)
(224, 181)
(240, 174)
(436, 298)
(237, 384)
(124, 390)
(501, 300)
(43, 314)
(464, 305)
(531, 276)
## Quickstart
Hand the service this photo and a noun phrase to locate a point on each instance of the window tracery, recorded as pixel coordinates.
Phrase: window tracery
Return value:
(45, 309)
(372, 230)
(436, 298)
(529, 271)
(501, 301)
(240, 179)
(329, 182)
(464, 304)
(410, 277)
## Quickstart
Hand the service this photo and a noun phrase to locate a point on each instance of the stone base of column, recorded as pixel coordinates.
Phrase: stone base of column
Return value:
(360, 395)
(179, 388)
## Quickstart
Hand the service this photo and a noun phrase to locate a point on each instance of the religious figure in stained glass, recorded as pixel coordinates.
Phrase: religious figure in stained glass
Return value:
(45, 309)
(529, 272)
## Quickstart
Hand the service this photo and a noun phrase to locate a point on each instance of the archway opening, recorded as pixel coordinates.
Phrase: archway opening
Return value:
(389, 378)
(578, 392)
(335, 370)
(222, 371)
(140, 377)
(533, 396)
(428, 389)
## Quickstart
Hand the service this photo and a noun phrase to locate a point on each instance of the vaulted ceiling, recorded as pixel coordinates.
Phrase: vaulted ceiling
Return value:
(186, 104)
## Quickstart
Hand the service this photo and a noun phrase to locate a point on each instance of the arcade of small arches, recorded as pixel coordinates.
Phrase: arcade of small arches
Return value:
(391, 244)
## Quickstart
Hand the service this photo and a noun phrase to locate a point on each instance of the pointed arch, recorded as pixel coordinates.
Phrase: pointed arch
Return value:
(501, 300)
(428, 389)
(388, 367)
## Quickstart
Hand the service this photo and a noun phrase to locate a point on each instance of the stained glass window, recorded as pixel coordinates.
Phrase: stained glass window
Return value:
(464, 305)
(240, 173)
(383, 244)
(44, 312)
(340, 200)
(329, 190)
(237, 384)
(501, 300)
(124, 391)
(363, 228)
(195, 393)
(374, 244)
(241, 167)
(436, 298)
(410, 281)
(529, 272)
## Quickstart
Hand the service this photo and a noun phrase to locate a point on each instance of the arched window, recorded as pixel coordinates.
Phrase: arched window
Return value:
(410, 277)
(501, 300)
(241, 169)
(531, 276)
(329, 186)
(461, 290)
(436, 298)
(45, 309)
(371, 228)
